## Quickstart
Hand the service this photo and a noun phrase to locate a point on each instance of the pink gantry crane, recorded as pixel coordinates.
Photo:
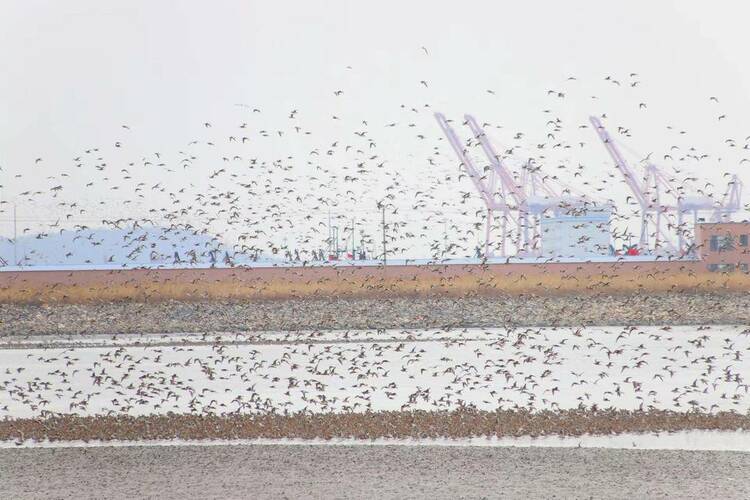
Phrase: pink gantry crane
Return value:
(495, 197)
(523, 200)
(650, 189)
(731, 201)
(508, 185)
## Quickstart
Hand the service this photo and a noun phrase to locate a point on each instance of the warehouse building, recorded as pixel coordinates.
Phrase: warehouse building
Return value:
(724, 246)
(577, 236)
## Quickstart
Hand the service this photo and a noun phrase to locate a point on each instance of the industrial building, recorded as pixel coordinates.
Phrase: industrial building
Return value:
(724, 246)
(577, 235)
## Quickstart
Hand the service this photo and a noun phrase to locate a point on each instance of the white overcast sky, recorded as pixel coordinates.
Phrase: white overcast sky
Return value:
(75, 71)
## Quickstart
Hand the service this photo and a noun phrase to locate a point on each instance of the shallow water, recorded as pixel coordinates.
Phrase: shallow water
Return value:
(672, 368)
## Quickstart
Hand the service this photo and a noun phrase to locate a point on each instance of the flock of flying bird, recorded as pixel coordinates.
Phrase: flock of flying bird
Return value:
(219, 193)
(632, 368)
(269, 186)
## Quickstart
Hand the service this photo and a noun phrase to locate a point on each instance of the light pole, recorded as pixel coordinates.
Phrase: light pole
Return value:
(385, 262)
(15, 236)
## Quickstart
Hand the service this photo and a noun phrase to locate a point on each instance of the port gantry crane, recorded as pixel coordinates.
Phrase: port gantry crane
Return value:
(495, 197)
(521, 202)
(650, 189)
(508, 188)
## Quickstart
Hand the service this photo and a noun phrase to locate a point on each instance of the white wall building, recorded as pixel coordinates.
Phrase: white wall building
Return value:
(577, 236)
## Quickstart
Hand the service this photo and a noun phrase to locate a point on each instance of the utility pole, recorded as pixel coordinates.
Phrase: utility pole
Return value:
(445, 238)
(15, 236)
(3, 262)
(384, 247)
(330, 234)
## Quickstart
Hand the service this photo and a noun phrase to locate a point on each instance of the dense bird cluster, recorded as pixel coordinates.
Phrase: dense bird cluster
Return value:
(345, 313)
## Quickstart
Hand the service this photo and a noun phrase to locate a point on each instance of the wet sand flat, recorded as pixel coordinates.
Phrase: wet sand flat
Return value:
(279, 471)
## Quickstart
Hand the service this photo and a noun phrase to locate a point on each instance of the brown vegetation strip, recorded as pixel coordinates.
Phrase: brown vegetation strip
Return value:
(417, 424)
(455, 280)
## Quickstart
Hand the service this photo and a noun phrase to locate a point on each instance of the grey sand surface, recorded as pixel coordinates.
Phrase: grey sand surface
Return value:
(279, 471)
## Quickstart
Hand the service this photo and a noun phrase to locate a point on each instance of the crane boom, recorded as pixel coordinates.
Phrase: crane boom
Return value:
(639, 191)
(506, 178)
(484, 190)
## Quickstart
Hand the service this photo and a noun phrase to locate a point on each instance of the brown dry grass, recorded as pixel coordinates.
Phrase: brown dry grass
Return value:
(417, 424)
(367, 284)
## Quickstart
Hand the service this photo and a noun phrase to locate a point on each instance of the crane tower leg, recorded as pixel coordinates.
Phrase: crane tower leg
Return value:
(644, 232)
(487, 246)
(504, 233)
